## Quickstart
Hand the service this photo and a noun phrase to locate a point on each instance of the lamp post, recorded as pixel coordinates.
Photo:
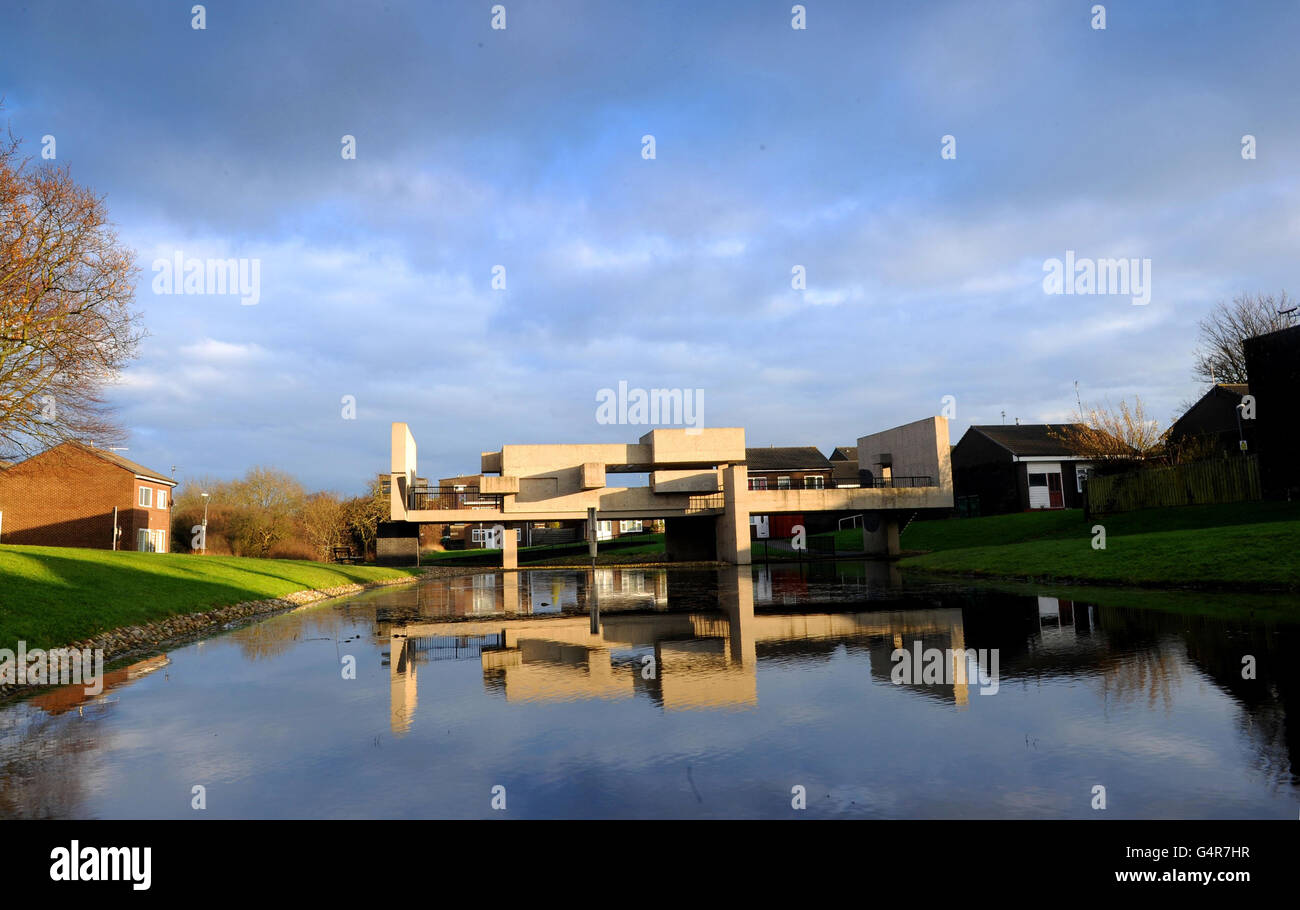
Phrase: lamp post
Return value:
(1241, 436)
(205, 524)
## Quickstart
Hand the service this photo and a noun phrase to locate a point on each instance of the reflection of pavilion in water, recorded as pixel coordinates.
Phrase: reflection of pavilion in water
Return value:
(700, 659)
(542, 592)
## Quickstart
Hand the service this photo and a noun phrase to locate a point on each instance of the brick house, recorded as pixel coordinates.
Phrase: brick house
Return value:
(65, 497)
(785, 468)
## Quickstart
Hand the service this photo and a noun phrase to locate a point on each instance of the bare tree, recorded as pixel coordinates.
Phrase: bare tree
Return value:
(1220, 357)
(364, 513)
(268, 502)
(1103, 433)
(323, 522)
(66, 324)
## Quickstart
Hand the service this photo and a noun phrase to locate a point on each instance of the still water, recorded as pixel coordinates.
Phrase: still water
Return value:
(685, 693)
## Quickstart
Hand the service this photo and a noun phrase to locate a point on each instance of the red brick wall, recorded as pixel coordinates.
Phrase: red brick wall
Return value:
(796, 477)
(65, 498)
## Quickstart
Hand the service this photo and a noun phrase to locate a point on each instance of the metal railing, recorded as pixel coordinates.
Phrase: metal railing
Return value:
(903, 480)
(898, 480)
(422, 498)
(705, 502)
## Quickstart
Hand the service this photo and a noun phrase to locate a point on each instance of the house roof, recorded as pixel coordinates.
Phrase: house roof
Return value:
(786, 458)
(1213, 412)
(121, 462)
(844, 453)
(1031, 439)
(845, 471)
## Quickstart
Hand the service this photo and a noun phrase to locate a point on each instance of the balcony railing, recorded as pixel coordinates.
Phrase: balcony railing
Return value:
(705, 502)
(904, 480)
(439, 498)
(898, 480)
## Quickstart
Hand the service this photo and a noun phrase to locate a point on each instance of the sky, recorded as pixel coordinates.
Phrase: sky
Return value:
(775, 149)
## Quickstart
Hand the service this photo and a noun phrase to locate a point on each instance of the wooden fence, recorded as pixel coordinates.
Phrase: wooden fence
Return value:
(1234, 479)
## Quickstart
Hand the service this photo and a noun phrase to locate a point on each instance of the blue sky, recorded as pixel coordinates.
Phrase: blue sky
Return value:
(775, 147)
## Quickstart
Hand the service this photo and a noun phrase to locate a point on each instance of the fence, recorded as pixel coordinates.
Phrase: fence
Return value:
(1233, 479)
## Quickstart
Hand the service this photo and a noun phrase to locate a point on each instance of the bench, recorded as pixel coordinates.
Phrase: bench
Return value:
(346, 554)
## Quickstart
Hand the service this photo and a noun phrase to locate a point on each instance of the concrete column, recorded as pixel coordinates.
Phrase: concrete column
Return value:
(509, 549)
(733, 523)
(880, 537)
(736, 598)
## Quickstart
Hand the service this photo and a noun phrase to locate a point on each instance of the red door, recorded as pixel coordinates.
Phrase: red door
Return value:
(1054, 497)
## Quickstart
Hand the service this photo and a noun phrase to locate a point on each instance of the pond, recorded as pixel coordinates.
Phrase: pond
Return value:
(823, 690)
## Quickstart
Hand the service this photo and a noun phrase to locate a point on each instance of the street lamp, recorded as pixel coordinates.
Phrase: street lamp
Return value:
(1241, 436)
(205, 524)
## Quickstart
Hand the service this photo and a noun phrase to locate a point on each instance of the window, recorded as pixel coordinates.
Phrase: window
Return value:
(783, 483)
(147, 541)
(814, 482)
(484, 537)
(630, 527)
(162, 499)
(146, 496)
(758, 483)
(1081, 476)
(1038, 480)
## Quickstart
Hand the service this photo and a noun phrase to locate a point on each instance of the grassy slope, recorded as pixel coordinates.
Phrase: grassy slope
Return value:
(53, 595)
(1240, 543)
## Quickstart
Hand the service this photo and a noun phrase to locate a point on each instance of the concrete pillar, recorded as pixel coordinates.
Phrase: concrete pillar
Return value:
(402, 686)
(733, 523)
(510, 593)
(736, 598)
(880, 536)
(509, 549)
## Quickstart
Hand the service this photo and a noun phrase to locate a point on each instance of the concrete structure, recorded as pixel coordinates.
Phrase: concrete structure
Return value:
(701, 659)
(698, 485)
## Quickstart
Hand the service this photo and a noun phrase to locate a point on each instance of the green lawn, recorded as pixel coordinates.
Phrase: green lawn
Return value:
(1251, 545)
(53, 595)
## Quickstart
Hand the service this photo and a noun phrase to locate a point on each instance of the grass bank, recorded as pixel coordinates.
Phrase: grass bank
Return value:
(53, 595)
(1238, 546)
